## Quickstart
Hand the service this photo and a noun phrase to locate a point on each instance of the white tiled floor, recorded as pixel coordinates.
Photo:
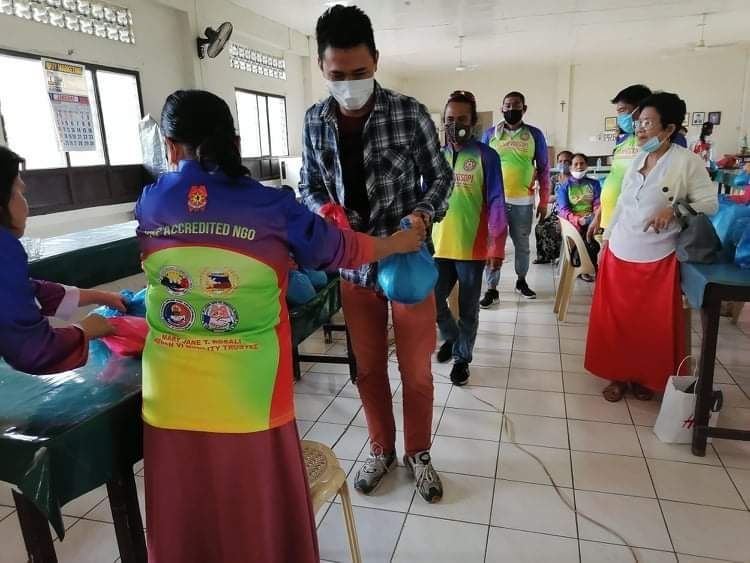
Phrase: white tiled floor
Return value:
(499, 504)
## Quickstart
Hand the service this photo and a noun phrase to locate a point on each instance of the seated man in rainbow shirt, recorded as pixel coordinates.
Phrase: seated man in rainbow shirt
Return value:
(523, 154)
(473, 231)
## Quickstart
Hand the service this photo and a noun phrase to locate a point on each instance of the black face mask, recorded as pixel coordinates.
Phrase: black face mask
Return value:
(456, 133)
(513, 116)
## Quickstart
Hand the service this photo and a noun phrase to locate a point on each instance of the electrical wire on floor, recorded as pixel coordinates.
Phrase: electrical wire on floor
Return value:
(508, 423)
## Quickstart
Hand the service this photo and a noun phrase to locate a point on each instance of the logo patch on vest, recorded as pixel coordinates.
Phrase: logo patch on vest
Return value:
(219, 316)
(197, 199)
(219, 282)
(177, 314)
(175, 280)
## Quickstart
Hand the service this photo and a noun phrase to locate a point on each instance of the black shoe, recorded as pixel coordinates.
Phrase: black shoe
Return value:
(460, 373)
(490, 297)
(523, 288)
(446, 351)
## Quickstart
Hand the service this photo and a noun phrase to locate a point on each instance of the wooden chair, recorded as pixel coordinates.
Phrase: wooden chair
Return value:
(326, 479)
(572, 240)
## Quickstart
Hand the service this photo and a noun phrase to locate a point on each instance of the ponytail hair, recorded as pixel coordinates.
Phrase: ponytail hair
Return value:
(203, 123)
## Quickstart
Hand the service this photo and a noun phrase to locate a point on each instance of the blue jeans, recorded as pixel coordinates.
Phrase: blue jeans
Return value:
(468, 274)
(520, 218)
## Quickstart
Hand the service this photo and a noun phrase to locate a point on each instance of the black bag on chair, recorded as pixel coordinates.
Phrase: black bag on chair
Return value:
(698, 241)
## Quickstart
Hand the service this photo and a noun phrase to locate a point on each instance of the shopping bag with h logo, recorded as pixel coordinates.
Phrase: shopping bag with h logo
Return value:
(675, 422)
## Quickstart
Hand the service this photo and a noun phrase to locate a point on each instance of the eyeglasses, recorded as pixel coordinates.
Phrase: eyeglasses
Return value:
(644, 124)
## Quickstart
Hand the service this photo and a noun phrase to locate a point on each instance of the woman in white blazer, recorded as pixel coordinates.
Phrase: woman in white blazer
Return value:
(636, 333)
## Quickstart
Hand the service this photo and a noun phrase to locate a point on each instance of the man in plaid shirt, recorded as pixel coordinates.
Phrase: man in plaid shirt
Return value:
(376, 153)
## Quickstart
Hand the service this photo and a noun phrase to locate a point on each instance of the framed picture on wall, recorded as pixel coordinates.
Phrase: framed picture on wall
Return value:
(714, 117)
(699, 117)
(610, 124)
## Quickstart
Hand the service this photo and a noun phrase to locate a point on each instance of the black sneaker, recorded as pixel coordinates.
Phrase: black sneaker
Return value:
(523, 288)
(446, 351)
(460, 373)
(490, 297)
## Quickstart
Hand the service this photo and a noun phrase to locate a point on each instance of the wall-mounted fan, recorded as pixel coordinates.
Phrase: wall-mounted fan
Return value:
(214, 41)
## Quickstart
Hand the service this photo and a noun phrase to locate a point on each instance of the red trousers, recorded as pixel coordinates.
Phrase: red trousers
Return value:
(366, 314)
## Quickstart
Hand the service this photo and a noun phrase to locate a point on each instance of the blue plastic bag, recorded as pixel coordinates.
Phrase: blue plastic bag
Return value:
(135, 303)
(723, 221)
(318, 279)
(408, 278)
(742, 254)
(300, 289)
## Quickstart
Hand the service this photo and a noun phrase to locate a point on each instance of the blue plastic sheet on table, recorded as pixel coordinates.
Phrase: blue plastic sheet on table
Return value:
(56, 430)
(300, 289)
(738, 229)
(135, 304)
(742, 253)
(408, 278)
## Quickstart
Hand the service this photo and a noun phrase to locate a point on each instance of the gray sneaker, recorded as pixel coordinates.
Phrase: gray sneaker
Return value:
(428, 481)
(372, 472)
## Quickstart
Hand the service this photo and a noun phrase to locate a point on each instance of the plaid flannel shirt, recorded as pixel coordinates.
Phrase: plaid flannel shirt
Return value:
(400, 146)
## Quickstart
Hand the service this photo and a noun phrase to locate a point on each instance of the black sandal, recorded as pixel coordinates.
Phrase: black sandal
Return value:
(641, 393)
(615, 391)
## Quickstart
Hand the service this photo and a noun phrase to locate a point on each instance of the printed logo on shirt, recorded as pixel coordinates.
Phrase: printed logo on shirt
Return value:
(219, 282)
(177, 314)
(525, 136)
(197, 199)
(470, 164)
(175, 280)
(219, 316)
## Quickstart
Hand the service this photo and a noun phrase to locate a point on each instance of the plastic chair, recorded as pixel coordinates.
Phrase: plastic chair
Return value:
(326, 479)
(572, 240)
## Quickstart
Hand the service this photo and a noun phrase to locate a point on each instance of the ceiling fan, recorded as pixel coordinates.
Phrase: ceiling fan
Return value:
(461, 67)
(700, 46)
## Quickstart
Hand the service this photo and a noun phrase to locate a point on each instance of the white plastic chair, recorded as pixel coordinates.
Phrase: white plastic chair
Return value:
(572, 240)
(326, 480)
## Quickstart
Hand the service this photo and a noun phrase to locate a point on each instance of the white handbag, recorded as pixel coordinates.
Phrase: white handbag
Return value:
(675, 422)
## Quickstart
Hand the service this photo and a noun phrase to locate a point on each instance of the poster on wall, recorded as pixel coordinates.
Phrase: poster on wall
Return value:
(71, 107)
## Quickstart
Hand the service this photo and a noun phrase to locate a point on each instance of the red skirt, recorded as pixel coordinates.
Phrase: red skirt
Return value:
(636, 330)
(221, 498)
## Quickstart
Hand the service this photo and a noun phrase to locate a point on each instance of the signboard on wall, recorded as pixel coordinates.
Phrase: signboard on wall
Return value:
(71, 106)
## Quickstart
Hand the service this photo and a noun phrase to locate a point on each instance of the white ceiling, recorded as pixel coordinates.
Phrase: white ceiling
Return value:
(422, 35)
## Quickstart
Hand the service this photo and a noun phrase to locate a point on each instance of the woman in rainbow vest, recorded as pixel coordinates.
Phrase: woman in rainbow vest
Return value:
(225, 478)
(472, 233)
(578, 201)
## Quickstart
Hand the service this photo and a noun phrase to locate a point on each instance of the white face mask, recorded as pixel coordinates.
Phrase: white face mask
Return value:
(352, 95)
(578, 174)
